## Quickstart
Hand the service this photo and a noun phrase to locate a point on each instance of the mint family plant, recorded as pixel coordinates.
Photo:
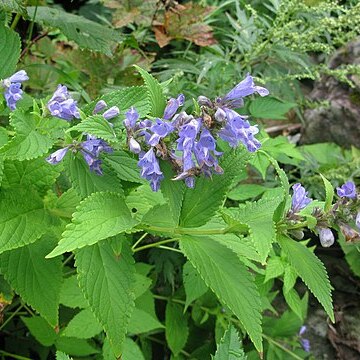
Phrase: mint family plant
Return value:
(87, 190)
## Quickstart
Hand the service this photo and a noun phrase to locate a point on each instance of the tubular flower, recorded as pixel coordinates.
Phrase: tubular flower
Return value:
(347, 190)
(299, 198)
(150, 169)
(12, 86)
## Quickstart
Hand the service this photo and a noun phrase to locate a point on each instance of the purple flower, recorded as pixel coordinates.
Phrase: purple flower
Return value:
(299, 198)
(131, 117)
(62, 105)
(100, 106)
(111, 113)
(347, 190)
(150, 169)
(134, 146)
(305, 343)
(204, 101)
(234, 98)
(172, 106)
(12, 86)
(57, 156)
(326, 237)
(357, 220)
(160, 129)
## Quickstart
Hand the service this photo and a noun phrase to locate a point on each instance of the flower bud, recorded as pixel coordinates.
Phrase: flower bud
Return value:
(100, 105)
(134, 146)
(111, 113)
(326, 237)
(220, 115)
(204, 101)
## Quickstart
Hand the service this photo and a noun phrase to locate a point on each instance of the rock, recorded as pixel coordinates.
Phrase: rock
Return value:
(338, 122)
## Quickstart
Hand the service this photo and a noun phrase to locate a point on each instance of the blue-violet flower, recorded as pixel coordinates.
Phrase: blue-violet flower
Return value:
(299, 198)
(347, 190)
(12, 86)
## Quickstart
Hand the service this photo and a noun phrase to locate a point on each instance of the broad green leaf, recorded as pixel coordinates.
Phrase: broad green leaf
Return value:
(246, 191)
(36, 279)
(87, 182)
(311, 270)
(98, 217)
(131, 351)
(37, 172)
(274, 268)
(230, 347)
(258, 216)
(86, 33)
(34, 136)
(75, 346)
(193, 283)
(125, 166)
(159, 219)
(62, 356)
(40, 330)
(176, 327)
(200, 203)
(9, 47)
(107, 280)
(66, 204)
(136, 96)
(142, 322)
(83, 326)
(329, 193)
(155, 91)
(229, 279)
(71, 295)
(142, 284)
(22, 218)
(96, 125)
(270, 108)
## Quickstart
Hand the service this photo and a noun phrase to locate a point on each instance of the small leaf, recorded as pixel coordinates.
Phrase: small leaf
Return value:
(274, 268)
(40, 330)
(9, 45)
(142, 322)
(62, 356)
(246, 191)
(131, 351)
(98, 217)
(329, 192)
(75, 347)
(176, 327)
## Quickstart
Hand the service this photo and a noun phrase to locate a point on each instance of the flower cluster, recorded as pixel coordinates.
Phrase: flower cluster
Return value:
(189, 142)
(62, 105)
(109, 113)
(12, 86)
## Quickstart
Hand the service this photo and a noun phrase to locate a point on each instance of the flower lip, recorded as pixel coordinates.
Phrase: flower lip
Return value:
(299, 199)
(347, 190)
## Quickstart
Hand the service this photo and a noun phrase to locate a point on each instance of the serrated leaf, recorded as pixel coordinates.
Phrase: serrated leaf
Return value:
(107, 280)
(258, 216)
(193, 283)
(329, 193)
(290, 277)
(40, 330)
(98, 217)
(270, 108)
(292, 298)
(75, 347)
(62, 356)
(200, 204)
(246, 191)
(86, 33)
(157, 98)
(66, 204)
(274, 268)
(125, 166)
(229, 279)
(176, 327)
(36, 279)
(82, 326)
(71, 295)
(34, 136)
(311, 270)
(230, 347)
(143, 322)
(132, 351)
(10, 46)
(22, 218)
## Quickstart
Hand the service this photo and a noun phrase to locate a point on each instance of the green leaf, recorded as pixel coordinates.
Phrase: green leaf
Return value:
(36, 279)
(142, 322)
(107, 280)
(246, 191)
(40, 330)
(13, 6)
(270, 108)
(229, 279)
(10, 47)
(230, 347)
(274, 268)
(258, 216)
(311, 270)
(290, 277)
(86, 33)
(22, 218)
(82, 326)
(34, 135)
(155, 91)
(74, 346)
(66, 204)
(96, 125)
(194, 285)
(142, 284)
(98, 217)
(125, 166)
(87, 182)
(71, 295)
(176, 327)
(131, 351)
(62, 356)
(294, 301)
(200, 203)
(329, 191)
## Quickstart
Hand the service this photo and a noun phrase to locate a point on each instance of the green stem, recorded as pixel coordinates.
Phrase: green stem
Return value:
(148, 246)
(15, 21)
(10, 317)
(32, 26)
(68, 259)
(13, 356)
(170, 249)
(139, 240)
(186, 231)
(282, 347)
(28, 310)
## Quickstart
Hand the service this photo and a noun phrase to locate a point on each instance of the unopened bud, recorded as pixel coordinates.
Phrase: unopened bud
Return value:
(204, 101)
(111, 113)
(326, 237)
(100, 106)
(134, 146)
